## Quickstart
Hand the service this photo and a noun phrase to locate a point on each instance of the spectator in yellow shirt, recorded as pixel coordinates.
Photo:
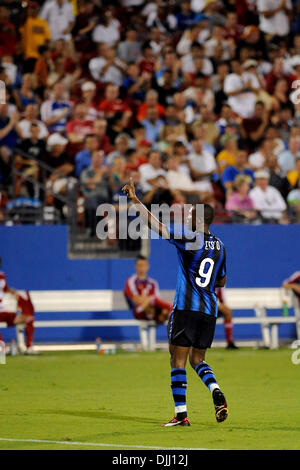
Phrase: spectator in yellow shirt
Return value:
(227, 156)
(35, 33)
(294, 175)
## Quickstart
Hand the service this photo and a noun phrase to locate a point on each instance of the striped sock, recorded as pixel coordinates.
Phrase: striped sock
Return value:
(178, 386)
(207, 376)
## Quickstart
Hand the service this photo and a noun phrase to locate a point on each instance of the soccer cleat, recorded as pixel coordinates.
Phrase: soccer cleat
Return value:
(220, 405)
(177, 422)
(231, 346)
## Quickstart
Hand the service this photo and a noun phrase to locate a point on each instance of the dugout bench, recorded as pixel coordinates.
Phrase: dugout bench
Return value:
(260, 300)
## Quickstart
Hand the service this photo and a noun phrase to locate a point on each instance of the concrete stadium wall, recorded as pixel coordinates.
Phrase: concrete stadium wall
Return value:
(35, 258)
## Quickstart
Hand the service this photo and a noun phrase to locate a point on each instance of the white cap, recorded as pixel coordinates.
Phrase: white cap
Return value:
(250, 63)
(56, 139)
(262, 174)
(88, 86)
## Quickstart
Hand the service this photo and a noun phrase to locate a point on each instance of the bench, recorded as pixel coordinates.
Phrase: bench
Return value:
(106, 301)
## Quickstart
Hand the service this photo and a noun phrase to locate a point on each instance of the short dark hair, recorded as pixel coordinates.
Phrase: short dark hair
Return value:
(141, 257)
(209, 214)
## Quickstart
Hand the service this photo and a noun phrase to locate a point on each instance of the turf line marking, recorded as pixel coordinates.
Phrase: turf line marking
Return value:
(95, 444)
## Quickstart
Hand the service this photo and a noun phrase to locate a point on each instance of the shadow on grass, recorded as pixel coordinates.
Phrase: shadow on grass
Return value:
(100, 415)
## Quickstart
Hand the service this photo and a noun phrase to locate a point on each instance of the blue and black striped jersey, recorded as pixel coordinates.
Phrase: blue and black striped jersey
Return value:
(202, 261)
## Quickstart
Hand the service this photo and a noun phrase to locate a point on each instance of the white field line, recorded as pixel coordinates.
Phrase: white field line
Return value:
(96, 444)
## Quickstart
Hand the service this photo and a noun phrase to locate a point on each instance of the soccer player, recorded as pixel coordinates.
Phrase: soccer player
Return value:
(226, 312)
(25, 318)
(202, 268)
(142, 295)
(293, 283)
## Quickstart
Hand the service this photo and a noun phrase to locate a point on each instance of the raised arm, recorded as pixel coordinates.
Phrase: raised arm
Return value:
(148, 218)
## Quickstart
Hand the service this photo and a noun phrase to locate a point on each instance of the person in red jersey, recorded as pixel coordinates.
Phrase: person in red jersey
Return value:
(225, 312)
(142, 295)
(22, 320)
(293, 284)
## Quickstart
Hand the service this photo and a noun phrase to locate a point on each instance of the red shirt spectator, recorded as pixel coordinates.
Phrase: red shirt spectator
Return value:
(151, 101)
(112, 104)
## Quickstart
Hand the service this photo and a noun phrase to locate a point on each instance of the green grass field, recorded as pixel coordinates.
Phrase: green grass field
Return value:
(120, 400)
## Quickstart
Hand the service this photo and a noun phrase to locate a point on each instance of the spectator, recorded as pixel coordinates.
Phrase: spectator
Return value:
(241, 88)
(287, 158)
(96, 189)
(78, 127)
(59, 15)
(58, 159)
(239, 204)
(107, 68)
(267, 200)
(55, 111)
(181, 184)
(35, 32)
(152, 173)
(130, 49)
(83, 158)
(202, 165)
(257, 159)
(152, 125)
(8, 34)
(30, 116)
(33, 147)
(252, 128)
(99, 129)
(276, 179)
(151, 101)
(26, 95)
(227, 156)
(273, 17)
(239, 168)
(107, 30)
(88, 91)
(121, 147)
(112, 104)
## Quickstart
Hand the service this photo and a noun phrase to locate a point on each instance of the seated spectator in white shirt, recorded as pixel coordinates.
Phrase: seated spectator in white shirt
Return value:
(60, 18)
(287, 158)
(188, 60)
(152, 172)
(181, 184)
(218, 45)
(241, 87)
(107, 68)
(257, 159)
(30, 116)
(108, 30)
(267, 199)
(202, 166)
(274, 16)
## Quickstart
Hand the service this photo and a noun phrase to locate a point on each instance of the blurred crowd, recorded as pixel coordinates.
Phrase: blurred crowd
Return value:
(197, 100)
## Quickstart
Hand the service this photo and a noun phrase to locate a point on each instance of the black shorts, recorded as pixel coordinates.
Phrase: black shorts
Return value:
(188, 328)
